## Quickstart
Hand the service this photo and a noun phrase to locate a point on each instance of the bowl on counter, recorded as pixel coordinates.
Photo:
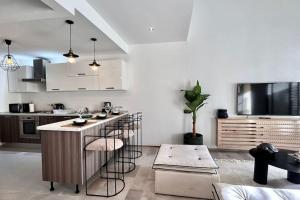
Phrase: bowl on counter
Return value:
(86, 116)
(79, 122)
(115, 112)
(101, 115)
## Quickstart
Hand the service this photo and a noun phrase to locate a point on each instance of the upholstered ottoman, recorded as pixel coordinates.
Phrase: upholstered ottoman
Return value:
(185, 170)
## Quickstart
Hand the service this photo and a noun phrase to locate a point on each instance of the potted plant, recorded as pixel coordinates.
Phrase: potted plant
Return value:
(195, 100)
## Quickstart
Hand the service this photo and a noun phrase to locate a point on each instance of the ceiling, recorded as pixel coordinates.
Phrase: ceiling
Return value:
(36, 33)
(132, 19)
(37, 27)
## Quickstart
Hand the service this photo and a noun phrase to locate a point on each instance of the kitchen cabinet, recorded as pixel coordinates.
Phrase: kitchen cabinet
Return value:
(9, 129)
(56, 78)
(81, 68)
(43, 120)
(112, 75)
(15, 83)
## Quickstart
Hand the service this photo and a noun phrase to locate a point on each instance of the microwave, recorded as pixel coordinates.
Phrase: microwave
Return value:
(15, 108)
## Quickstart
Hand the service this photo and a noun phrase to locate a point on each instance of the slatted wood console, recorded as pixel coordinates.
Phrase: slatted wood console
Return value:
(246, 133)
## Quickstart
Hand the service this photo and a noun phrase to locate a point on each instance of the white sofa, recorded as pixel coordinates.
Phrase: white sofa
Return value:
(185, 170)
(224, 191)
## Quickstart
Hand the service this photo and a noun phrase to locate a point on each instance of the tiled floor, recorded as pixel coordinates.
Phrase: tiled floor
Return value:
(20, 172)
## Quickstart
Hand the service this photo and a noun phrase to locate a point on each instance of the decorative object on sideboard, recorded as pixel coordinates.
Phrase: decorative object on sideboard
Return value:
(195, 100)
(94, 65)
(8, 62)
(71, 55)
(222, 113)
(295, 156)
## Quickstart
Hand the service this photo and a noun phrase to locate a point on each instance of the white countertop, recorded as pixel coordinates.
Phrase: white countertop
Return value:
(59, 126)
(35, 114)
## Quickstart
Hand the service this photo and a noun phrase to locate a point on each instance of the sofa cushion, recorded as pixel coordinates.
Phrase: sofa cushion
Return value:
(238, 192)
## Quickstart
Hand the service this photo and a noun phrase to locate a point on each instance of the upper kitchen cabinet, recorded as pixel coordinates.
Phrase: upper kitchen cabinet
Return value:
(80, 76)
(71, 77)
(17, 81)
(56, 78)
(113, 75)
(81, 68)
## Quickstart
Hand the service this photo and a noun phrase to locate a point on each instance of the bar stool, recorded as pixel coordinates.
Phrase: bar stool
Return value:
(138, 127)
(126, 127)
(111, 147)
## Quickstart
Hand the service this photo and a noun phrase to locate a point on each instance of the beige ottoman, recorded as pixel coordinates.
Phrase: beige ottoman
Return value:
(185, 170)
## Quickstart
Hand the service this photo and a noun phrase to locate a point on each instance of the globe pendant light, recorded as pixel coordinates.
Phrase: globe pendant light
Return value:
(8, 62)
(71, 55)
(94, 65)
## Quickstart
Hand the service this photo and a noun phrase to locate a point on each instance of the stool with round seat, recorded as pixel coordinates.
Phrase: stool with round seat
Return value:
(112, 148)
(128, 136)
(137, 128)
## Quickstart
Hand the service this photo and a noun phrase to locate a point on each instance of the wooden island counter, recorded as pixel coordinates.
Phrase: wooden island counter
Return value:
(62, 146)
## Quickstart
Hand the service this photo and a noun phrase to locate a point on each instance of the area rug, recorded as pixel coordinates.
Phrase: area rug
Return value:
(240, 172)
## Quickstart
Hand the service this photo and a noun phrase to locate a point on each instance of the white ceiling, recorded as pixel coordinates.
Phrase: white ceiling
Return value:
(132, 18)
(36, 33)
(37, 27)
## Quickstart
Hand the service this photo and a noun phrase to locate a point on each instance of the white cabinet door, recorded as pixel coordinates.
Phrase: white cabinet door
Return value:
(81, 83)
(81, 68)
(56, 79)
(112, 75)
(76, 77)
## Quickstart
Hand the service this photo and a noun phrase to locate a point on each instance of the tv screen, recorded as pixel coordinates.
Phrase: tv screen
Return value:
(268, 98)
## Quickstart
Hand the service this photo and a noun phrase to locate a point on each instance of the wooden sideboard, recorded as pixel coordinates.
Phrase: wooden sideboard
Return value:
(246, 133)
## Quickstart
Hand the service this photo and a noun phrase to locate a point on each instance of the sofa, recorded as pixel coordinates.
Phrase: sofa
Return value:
(222, 191)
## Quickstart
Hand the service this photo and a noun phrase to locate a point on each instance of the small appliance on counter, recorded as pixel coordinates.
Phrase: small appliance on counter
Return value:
(28, 107)
(107, 107)
(116, 110)
(58, 106)
(15, 108)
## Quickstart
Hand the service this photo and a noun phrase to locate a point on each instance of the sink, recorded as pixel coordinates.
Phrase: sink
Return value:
(62, 112)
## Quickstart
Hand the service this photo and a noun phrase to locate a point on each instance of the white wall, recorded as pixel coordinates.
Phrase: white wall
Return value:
(236, 41)
(157, 72)
(5, 97)
(230, 41)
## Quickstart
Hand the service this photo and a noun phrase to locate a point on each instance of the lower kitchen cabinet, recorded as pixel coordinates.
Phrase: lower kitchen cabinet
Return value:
(43, 120)
(9, 129)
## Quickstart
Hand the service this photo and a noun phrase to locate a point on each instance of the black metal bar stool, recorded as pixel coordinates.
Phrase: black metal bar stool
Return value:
(112, 148)
(128, 139)
(138, 127)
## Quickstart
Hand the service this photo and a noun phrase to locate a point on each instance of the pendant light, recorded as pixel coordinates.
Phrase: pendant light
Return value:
(8, 62)
(70, 55)
(94, 65)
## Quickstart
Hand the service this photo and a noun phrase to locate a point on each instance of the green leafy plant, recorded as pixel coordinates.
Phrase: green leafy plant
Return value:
(195, 100)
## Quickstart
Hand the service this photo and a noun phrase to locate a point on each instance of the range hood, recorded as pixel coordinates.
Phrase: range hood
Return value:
(39, 71)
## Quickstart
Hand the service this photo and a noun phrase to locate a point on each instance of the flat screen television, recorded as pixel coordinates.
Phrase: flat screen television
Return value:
(268, 98)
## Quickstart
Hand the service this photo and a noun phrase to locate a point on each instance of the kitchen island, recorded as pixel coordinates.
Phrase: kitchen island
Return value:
(62, 146)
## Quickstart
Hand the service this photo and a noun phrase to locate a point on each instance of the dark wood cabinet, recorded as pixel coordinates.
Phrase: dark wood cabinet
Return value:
(53, 119)
(9, 129)
(43, 120)
(63, 118)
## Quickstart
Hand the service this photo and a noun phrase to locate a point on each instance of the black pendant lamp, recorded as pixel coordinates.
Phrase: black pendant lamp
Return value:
(94, 64)
(71, 55)
(8, 62)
